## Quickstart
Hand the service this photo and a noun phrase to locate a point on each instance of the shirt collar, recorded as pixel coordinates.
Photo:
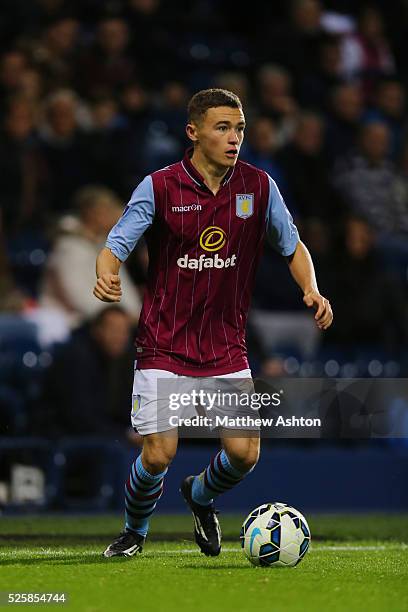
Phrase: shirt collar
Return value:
(195, 175)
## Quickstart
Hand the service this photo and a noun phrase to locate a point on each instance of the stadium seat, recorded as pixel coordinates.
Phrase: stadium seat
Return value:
(28, 452)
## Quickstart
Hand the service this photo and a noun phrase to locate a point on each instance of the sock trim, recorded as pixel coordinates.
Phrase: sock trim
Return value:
(226, 464)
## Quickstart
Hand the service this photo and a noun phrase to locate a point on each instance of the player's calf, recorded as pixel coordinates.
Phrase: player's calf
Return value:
(142, 492)
(218, 477)
(199, 493)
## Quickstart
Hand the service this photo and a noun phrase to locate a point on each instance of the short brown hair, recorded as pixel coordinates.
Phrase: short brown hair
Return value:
(210, 98)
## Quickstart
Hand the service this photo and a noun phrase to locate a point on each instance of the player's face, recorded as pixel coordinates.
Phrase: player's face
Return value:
(219, 135)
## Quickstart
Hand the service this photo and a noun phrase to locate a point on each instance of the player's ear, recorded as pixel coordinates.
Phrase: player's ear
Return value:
(191, 131)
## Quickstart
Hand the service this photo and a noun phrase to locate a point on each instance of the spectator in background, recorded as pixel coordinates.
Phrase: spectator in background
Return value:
(166, 138)
(238, 83)
(55, 54)
(370, 306)
(160, 23)
(21, 167)
(136, 115)
(70, 274)
(108, 64)
(294, 45)
(107, 143)
(31, 88)
(389, 107)
(33, 17)
(171, 109)
(17, 336)
(314, 86)
(277, 101)
(64, 145)
(13, 64)
(345, 113)
(261, 147)
(88, 386)
(135, 104)
(304, 166)
(368, 184)
(366, 54)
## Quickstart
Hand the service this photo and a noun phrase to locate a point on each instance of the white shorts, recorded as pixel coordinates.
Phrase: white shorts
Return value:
(152, 389)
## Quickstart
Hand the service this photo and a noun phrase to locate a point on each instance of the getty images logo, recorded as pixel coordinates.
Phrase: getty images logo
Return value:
(212, 239)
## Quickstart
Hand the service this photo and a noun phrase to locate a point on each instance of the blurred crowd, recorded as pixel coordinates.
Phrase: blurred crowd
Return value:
(93, 97)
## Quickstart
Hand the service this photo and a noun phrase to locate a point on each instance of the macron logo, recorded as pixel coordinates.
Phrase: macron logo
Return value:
(186, 208)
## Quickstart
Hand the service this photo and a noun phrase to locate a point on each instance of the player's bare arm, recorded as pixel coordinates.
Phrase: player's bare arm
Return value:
(302, 269)
(107, 287)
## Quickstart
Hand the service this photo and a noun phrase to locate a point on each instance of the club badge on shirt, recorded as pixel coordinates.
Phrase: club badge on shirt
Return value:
(244, 205)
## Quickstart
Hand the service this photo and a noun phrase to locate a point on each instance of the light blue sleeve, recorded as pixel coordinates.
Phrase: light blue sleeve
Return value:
(280, 229)
(135, 220)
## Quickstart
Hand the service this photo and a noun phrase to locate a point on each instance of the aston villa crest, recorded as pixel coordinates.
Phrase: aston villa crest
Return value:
(244, 203)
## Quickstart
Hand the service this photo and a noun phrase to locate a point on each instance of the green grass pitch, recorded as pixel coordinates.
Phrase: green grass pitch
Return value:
(356, 562)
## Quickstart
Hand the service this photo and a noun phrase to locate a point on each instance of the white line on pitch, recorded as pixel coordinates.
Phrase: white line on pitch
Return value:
(188, 551)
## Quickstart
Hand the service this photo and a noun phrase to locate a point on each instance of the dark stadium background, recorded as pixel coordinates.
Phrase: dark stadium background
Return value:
(93, 97)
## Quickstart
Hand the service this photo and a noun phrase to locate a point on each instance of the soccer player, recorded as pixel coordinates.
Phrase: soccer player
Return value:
(206, 217)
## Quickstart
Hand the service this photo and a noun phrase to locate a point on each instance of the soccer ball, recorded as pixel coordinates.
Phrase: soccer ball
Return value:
(275, 535)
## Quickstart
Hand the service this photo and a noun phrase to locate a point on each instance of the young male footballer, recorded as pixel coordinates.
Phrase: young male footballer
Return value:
(207, 216)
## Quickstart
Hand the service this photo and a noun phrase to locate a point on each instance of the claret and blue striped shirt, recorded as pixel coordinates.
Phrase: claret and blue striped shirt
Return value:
(203, 254)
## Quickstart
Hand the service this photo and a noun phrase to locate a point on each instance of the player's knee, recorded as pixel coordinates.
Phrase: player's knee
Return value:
(157, 458)
(157, 462)
(245, 457)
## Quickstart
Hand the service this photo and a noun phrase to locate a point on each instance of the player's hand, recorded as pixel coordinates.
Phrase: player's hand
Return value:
(324, 313)
(107, 288)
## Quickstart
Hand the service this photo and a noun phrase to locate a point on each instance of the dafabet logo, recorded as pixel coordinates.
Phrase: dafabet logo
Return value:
(211, 239)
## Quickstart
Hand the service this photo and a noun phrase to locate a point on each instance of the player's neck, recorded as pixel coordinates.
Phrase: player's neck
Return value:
(212, 174)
